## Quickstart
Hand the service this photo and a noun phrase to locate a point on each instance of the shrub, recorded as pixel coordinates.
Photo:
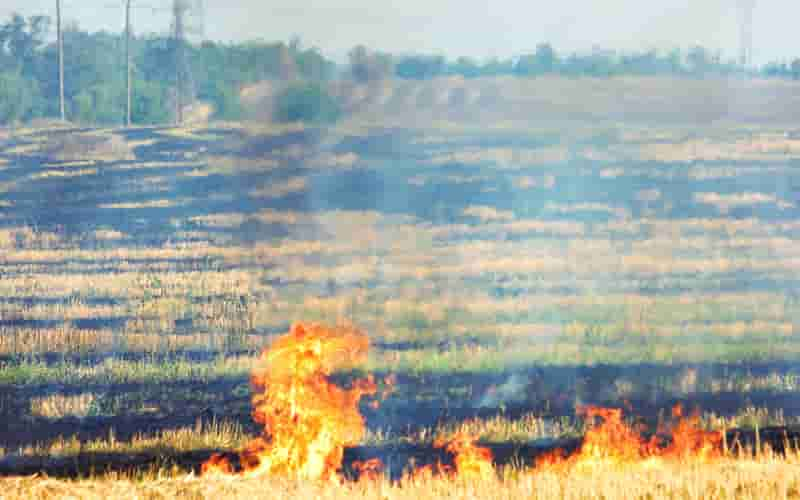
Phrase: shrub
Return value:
(17, 97)
(306, 102)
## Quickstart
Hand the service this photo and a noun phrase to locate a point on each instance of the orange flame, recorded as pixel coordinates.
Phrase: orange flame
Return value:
(615, 443)
(369, 470)
(217, 464)
(472, 462)
(308, 420)
(689, 441)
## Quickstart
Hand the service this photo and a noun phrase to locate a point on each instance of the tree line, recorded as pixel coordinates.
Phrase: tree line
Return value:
(95, 67)
(95, 84)
(695, 62)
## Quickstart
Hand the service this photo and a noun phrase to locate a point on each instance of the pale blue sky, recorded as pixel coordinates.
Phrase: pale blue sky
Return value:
(465, 27)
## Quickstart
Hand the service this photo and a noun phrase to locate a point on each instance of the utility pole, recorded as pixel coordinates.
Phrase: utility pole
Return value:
(60, 42)
(746, 8)
(129, 7)
(128, 61)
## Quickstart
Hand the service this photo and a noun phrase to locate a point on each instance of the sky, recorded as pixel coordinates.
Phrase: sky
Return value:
(479, 29)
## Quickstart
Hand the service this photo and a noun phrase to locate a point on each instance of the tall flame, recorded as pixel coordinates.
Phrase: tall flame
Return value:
(308, 420)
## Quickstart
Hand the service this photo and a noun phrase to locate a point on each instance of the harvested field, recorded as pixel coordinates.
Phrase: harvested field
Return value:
(504, 279)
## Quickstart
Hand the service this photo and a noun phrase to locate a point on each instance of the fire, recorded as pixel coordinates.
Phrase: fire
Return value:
(307, 419)
(217, 464)
(615, 443)
(612, 442)
(471, 461)
(689, 441)
(369, 470)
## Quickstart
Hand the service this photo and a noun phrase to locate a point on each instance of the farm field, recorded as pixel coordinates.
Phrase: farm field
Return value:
(505, 277)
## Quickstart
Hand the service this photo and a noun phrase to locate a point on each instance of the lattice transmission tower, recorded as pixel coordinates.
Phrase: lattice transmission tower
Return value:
(187, 24)
(746, 8)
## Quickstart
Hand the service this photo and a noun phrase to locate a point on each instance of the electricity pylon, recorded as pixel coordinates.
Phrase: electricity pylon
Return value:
(746, 8)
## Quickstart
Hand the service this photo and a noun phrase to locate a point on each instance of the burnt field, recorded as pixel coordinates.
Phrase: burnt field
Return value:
(505, 277)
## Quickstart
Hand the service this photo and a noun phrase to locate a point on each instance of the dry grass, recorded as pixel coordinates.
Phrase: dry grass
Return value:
(63, 174)
(765, 478)
(164, 203)
(278, 190)
(528, 182)
(332, 161)
(60, 406)
(213, 435)
(29, 238)
(488, 214)
(97, 145)
(512, 158)
(726, 202)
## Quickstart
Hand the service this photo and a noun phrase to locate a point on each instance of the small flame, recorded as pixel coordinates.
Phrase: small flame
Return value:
(612, 442)
(472, 462)
(217, 464)
(369, 470)
(615, 443)
(307, 419)
(689, 441)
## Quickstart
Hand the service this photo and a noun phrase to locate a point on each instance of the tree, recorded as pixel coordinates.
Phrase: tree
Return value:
(287, 64)
(366, 66)
(100, 103)
(306, 102)
(495, 66)
(225, 99)
(466, 67)
(20, 39)
(795, 69)
(546, 57)
(313, 65)
(149, 103)
(698, 59)
(542, 61)
(18, 97)
(421, 67)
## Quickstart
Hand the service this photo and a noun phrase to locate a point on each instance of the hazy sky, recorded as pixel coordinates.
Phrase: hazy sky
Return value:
(464, 27)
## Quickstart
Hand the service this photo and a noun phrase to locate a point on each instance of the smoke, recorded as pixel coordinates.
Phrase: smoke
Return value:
(512, 391)
(534, 221)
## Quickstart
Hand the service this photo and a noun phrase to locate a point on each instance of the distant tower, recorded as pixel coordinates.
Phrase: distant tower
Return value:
(187, 21)
(746, 31)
